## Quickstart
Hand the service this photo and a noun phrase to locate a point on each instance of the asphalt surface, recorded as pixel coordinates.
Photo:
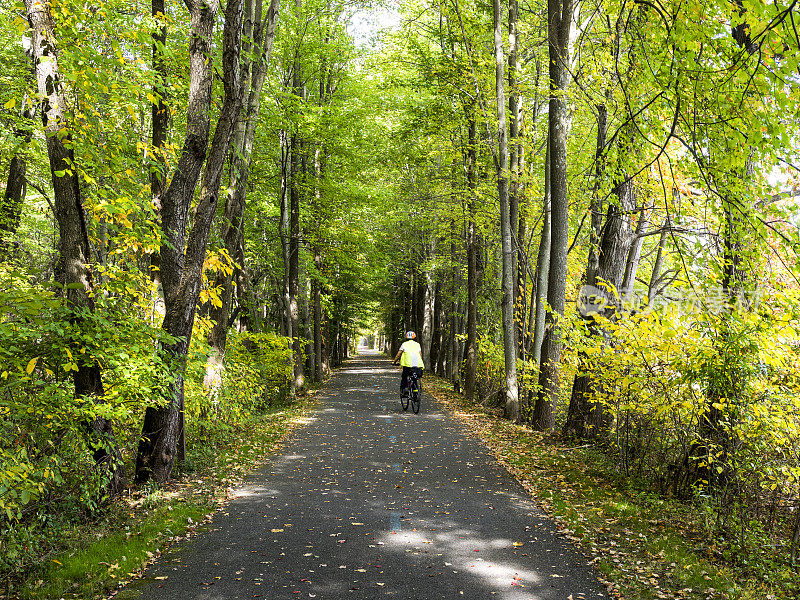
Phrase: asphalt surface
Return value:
(369, 501)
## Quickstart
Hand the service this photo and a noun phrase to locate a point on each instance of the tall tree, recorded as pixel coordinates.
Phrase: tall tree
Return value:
(258, 36)
(160, 124)
(516, 161)
(559, 27)
(473, 247)
(73, 271)
(182, 259)
(506, 232)
(586, 416)
(730, 370)
(296, 186)
(542, 268)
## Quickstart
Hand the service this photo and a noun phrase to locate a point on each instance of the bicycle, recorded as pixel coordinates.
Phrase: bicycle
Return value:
(413, 393)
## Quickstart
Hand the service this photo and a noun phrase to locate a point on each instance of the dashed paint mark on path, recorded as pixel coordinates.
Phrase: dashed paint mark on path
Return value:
(394, 521)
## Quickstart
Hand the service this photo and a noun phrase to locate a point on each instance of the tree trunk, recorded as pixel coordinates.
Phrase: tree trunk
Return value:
(320, 173)
(509, 250)
(420, 290)
(298, 382)
(181, 259)
(606, 264)
(420, 300)
(314, 293)
(542, 268)
(586, 416)
(429, 299)
(471, 350)
(436, 331)
(795, 543)
(515, 166)
(295, 184)
(596, 201)
(16, 184)
(254, 73)
(453, 358)
(334, 333)
(396, 326)
(159, 112)
(317, 301)
(11, 209)
(634, 255)
(716, 447)
(559, 15)
(308, 326)
(73, 246)
(283, 227)
(654, 288)
(405, 282)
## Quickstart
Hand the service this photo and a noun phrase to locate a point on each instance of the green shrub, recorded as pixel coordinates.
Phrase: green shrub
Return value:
(46, 448)
(257, 375)
(707, 406)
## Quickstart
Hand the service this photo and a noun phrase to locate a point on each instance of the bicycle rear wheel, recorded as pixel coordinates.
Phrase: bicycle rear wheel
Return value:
(415, 399)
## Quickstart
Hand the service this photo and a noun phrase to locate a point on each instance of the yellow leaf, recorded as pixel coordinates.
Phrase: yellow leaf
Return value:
(31, 365)
(10, 104)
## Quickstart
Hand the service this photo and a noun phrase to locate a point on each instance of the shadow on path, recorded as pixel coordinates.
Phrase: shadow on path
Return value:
(369, 501)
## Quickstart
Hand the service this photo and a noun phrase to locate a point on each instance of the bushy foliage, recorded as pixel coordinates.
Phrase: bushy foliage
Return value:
(46, 466)
(701, 402)
(45, 441)
(257, 375)
(706, 404)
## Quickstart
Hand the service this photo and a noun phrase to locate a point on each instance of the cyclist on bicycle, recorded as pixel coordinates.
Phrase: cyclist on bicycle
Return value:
(410, 358)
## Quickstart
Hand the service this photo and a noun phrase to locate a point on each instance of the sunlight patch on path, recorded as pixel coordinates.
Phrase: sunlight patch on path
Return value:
(459, 549)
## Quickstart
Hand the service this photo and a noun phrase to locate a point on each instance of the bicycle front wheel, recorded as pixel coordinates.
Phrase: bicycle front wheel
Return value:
(415, 400)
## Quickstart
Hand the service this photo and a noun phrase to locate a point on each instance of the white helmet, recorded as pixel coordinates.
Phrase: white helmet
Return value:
(411, 335)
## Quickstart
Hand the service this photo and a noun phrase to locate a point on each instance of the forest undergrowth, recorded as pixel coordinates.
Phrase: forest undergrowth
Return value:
(96, 556)
(644, 545)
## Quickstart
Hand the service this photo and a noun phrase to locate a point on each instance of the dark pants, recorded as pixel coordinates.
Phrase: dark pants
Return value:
(416, 372)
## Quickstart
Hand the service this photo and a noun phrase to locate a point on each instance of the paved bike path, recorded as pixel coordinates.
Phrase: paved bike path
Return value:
(368, 501)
